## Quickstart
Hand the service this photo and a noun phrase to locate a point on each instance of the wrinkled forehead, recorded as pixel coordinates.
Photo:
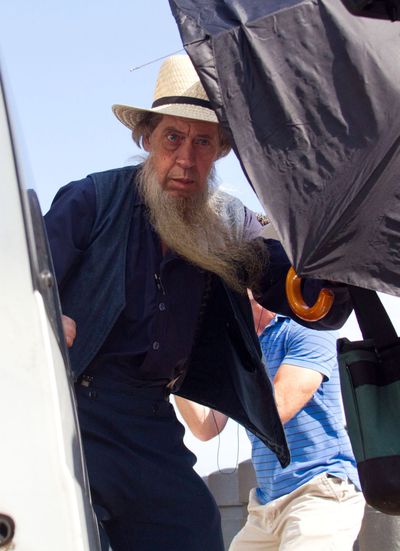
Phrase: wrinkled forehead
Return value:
(188, 126)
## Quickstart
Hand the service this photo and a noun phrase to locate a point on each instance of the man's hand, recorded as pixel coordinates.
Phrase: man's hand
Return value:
(69, 328)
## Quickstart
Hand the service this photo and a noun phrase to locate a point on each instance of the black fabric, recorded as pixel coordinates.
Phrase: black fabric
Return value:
(370, 381)
(166, 100)
(104, 265)
(309, 95)
(371, 317)
(382, 9)
(144, 490)
(226, 368)
(366, 372)
(380, 483)
(93, 227)
(271, 292)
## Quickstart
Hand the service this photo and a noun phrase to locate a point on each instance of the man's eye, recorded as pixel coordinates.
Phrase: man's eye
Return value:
(173, 138)
(202, 141)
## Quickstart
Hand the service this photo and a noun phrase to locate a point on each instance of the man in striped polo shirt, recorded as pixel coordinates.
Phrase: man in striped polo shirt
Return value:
(315, 502)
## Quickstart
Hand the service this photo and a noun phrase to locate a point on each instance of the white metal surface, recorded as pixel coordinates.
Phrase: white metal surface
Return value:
(42, 485)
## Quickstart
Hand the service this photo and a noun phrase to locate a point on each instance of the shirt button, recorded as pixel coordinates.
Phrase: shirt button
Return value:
(156, 345)
(162, 306)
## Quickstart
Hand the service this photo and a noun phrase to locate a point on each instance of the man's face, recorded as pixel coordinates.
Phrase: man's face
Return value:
(182, 152)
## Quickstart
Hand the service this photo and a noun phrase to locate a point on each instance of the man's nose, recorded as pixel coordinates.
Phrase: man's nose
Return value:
(185, 154)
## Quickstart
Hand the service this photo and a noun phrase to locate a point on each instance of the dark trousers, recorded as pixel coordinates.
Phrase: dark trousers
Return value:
(146, 495)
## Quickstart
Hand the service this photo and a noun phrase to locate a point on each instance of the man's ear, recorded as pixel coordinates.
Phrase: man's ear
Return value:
(146, 143)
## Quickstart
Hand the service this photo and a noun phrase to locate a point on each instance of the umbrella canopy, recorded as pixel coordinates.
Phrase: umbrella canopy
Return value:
(383, 9)
(311, 96)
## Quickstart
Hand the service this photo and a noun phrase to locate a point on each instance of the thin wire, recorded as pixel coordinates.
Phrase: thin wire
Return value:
(154, 60)
(219, 448)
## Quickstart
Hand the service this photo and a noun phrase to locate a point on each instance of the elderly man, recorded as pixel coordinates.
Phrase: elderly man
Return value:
(152, 263)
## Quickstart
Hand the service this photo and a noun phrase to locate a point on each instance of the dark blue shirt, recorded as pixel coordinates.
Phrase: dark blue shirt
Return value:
(153, 336)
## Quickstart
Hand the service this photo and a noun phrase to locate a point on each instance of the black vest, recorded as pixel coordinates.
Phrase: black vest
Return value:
(224, 369)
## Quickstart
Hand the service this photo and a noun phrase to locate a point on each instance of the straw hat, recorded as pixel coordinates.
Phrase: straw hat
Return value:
(178, 92)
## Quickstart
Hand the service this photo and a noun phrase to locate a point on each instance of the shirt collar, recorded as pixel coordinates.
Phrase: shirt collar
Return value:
(277, 318)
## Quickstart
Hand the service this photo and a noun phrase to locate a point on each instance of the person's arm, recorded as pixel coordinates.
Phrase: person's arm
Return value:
(205, 423)
(310, 357)
(68, 224)
(272, 293)
(294, 386)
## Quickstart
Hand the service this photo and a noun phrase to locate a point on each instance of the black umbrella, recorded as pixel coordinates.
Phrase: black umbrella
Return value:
(311, 96)
(383, 9)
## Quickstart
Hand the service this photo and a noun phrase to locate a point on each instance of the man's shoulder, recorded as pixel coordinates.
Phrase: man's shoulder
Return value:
(301, 346)
(237, 216)
(294, 327)
(114, 174)
(298, 337)
(229, 205)
(227, 198)
(113, 187)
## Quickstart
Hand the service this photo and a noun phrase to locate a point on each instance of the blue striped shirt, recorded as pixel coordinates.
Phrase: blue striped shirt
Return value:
(316, 435)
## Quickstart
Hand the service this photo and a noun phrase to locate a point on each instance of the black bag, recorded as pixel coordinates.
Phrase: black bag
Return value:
(370, 381)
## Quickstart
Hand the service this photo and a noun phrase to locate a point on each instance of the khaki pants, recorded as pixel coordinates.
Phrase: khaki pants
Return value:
(323, 515)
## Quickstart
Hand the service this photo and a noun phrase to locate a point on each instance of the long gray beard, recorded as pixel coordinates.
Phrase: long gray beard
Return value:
(194, 228)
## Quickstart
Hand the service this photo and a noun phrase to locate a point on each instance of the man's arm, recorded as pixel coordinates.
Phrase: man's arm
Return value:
(204, 422)
(68, 224)
(272, 293)
(294, 386)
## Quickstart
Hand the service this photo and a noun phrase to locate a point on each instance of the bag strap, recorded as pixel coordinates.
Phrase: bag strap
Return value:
(372, 317)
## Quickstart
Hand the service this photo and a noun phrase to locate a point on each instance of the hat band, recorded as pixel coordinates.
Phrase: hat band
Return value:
(166, 100)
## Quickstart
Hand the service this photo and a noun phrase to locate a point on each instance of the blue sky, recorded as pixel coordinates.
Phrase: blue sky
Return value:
(66, 63)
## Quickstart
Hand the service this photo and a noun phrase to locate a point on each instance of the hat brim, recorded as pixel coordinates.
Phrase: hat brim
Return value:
(130, 116)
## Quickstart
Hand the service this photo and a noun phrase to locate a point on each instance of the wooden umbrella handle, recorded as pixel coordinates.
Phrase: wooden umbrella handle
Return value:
(296, 302)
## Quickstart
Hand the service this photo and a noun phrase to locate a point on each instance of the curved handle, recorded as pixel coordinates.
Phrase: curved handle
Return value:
(296, 302)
